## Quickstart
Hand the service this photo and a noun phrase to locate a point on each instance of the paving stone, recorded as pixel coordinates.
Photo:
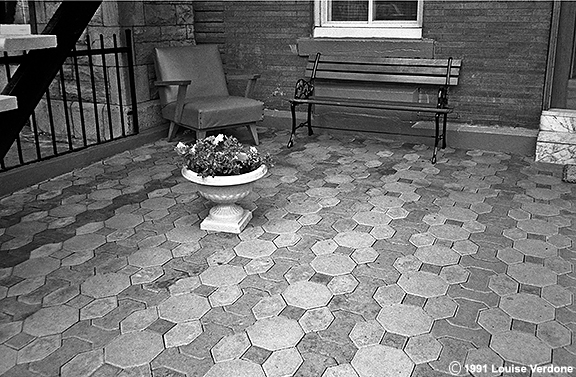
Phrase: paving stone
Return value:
(283, 362)
(494, 320)
(150, 257)
(423, 284)
(407, 263)
(51, 320)
(341, 370)
(404, 319)
(521, 348)
(230, 347)
(98, 308)
(105, 285)
(275, 333)
(255, 248)
(307, 295)
(183, 308)
(503, 285)
(182, 334)
(454, 274)
(139, 320)
(83, 364)
(532, 274)
(557, 295)
(41, 266)
(316, 319)
(221, 276)
(269, 307)
(372, 360)
(437, 255)
(38, 349)
(488, 360)
(536, 248)
(423, 348)
(366, 333)
(333, 264)
(354, 240)
(236, 368)
(133, 349)
(342, 284)
(8, 358)
(553, 334)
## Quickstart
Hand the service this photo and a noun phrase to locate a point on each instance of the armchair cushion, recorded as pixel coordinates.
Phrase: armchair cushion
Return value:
(216, 111)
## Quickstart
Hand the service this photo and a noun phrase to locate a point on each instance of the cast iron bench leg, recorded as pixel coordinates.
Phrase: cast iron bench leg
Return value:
(293, 134)
(436, 137)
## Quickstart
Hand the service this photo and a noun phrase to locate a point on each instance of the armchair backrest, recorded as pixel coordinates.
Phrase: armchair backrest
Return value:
(201, 64)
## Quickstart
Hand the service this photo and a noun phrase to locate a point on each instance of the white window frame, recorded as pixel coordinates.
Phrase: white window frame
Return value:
(371, 29)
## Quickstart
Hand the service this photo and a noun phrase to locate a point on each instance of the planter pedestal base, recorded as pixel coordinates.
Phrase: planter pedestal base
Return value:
(226, 218)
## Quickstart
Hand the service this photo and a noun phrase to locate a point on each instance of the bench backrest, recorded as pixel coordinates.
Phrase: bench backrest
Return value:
(385, 70)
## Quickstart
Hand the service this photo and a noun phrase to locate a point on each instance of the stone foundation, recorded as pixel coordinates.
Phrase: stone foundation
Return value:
(557, 138)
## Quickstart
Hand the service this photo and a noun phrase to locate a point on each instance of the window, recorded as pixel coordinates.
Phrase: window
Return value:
(368, 18)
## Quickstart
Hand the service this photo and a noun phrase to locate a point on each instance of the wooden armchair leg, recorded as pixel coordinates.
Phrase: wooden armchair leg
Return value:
(172, 131)
(254, 133)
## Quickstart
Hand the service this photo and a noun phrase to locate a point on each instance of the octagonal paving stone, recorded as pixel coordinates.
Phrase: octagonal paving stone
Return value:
(423, 284)
(532, 274)
(255, 248)
(124, 221)
(316, 319)
(527, 307)
(39, 348)
(281, 226)
(284, 362)
(384, 202)
(379, 360)
(554, 334)
(230, 347)
(537, 226)
(354, 239)
(269, 307)
(183, 308)
(366, 333)
(406, 320)
(105, 285)
(494, 320)
(449, 232)
(372, 218)
(223, 275)
(458, 213)
(557, 295)
(150, 257)
(36, 267)
(307, 295)
(51, 320)
(535, 248)
(333, 264)
(235, 368)
(521, 348)
(342, 284)
(423, 348)
(84, 242)
(275, 333)
(133, 349)
(437, 255)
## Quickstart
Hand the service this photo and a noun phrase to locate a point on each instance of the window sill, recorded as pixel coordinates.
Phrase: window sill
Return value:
(350, 32)
(393, 47)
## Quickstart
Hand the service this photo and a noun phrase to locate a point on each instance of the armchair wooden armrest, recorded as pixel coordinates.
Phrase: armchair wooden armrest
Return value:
(249, 85)
(180, 97)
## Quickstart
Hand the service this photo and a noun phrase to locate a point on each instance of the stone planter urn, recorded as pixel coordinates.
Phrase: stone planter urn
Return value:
(225, 191)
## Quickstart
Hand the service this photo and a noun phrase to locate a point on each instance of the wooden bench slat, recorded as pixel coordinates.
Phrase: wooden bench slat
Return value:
(389, 69)
(388, 61)
(428, 80)
(368, 104)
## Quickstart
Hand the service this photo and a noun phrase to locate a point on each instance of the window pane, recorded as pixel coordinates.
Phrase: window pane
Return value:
(352, 10)
(395, 10)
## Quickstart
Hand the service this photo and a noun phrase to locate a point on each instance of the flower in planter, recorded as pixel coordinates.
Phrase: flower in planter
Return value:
(221, 155)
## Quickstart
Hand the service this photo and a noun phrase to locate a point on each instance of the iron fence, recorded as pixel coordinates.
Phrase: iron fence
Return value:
(91, 101)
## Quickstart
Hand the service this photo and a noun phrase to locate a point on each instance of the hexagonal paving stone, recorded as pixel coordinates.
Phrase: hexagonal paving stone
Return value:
(275, 333)
(282, 363)
(407, 320)
(423, 348)
(424, 284)
(458, 213)
(183, 308)
(354, 240)
(307, 295)
(281, 226)
(259, 265)
(376, 359)
(38, 349)
(84, 242)
(372, 218)
(222, 276)
(132, 349)
(384, 202)
(230, 347)
(149, 257)
(316, 319)
(83, 364)
(255, 248)
(324, 247)
(51, 320)
(333, 264)
(494, 320)
(105, 285)
(521, 348)
(366, 333)
(527, 307)
(365, 255)
(98, 308)
(536, 248)
(235, 368)
(437, 255)
(532, 274)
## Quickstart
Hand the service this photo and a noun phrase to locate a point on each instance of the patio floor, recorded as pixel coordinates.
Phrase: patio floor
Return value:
(362, 259)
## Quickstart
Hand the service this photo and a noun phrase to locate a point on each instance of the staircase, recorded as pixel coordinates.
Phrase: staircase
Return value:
(48, 52)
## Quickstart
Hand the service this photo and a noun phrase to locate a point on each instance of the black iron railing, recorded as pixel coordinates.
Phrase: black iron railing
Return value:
(91, 101)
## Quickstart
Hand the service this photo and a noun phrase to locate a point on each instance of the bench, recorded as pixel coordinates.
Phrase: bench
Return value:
(441, 73)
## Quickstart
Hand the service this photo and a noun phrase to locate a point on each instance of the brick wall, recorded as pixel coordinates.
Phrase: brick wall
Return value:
(503, 44)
